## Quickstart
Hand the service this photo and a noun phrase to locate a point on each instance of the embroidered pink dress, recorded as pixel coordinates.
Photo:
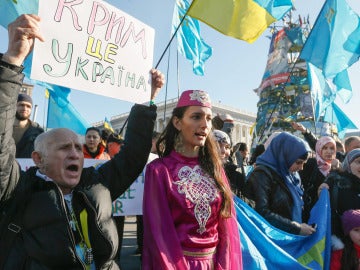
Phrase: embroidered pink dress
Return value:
(183, 228)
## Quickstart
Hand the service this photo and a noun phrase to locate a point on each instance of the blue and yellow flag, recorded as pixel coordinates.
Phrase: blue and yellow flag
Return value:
(332, 45)
(242, 19)
(190, 43)
(268, 248)
(107, 125)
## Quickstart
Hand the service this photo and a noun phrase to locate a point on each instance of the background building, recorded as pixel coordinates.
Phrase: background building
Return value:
(243, 121)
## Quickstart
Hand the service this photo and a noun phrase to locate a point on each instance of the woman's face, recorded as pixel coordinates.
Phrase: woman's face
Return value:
(224, 151)
(355, 235)
(194, 127)
(355, 167)
(298, 165)
(328, 152)
(92, 140)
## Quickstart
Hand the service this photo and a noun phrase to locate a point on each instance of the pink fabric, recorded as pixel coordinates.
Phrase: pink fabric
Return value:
(170, 224)
(194, 98)
(323, 165)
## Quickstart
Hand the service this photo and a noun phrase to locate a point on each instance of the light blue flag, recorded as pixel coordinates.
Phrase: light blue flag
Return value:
(323, 93)
(334, 114)
(332, 46)
(268, 248)
(62, 114)
(190, 43)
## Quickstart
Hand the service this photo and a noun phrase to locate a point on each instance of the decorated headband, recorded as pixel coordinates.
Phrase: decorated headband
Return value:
(194, 98)
(221, 136)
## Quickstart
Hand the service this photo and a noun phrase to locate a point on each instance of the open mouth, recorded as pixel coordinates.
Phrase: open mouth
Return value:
(73, 168)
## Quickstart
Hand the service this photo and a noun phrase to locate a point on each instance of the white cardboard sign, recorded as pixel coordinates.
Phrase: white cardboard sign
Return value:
(94, 47)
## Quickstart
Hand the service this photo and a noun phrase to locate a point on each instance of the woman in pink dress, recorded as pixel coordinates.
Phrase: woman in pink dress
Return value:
(189, 217)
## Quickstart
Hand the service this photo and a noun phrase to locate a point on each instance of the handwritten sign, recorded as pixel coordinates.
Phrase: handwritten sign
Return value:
(94, 47)
(129, 203)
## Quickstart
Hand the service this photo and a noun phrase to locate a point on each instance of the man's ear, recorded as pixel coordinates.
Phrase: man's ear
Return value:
(36, 156)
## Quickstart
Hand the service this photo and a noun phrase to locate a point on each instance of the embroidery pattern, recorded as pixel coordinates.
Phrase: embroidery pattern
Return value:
(200, 189)
(200, 96)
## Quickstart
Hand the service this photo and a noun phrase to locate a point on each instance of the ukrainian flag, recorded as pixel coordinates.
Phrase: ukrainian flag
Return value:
(268, 248)
(242, 19)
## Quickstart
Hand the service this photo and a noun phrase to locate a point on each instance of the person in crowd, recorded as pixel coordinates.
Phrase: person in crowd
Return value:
(275, 185)
(241, 154)
(344, 187)
(25, 131)
(57, 215)
(236, 178)
(139, 218)
(105, 133)
(188, 209)
(224, 122)
(351, 143)
(316, 169)
(348, 257)
(114, 143)
(259, 149)
(340, 151)
(93, 148)
(312, 139)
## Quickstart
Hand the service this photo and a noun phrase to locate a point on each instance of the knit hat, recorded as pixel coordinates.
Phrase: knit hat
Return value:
(115, 138)
(221, 136)
(25, 97)
(349, 158)
(350, 220)
(194, 98)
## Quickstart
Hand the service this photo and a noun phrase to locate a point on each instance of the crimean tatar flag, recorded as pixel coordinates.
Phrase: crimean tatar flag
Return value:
(241, 19)
(333, 44)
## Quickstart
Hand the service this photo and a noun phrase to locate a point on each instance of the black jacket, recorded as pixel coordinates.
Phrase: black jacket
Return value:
(272, 198)
(344, 195)
(25, 146)
(46, 240)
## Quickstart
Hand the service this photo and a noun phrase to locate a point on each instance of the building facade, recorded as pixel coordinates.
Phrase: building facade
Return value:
(243, 121)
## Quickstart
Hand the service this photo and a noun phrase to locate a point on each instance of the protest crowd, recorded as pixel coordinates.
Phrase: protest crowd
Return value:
(59, 214)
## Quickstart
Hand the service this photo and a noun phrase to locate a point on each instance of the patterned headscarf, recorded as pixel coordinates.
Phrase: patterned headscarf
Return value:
(323, 165)
(349, 158)
(221, 137)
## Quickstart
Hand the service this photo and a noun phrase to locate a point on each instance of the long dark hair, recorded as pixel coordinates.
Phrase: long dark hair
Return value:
(349, 259)
(209, 158)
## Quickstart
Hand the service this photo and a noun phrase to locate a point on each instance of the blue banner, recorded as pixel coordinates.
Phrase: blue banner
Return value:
(268, 248)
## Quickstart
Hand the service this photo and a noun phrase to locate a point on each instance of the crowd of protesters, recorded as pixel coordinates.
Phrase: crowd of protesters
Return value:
(58, 215)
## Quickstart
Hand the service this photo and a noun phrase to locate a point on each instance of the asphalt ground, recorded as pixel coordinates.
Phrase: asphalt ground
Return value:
(129, 260)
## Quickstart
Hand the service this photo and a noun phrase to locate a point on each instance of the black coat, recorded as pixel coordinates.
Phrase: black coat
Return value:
(25, 146)
(272, 198)
(344, 195)
(46, 240)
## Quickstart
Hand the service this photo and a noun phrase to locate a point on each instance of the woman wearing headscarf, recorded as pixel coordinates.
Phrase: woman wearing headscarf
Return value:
(315, 171)
(344, 187)
(275, 185)
(188, 210)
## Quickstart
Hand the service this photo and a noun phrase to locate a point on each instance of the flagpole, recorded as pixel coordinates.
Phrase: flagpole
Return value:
(174, 34)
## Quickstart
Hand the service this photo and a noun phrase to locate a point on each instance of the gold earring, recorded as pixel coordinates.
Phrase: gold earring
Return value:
(178, 143)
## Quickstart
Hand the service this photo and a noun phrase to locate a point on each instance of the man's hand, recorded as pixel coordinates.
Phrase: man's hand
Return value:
(157, 81)
(22, 33)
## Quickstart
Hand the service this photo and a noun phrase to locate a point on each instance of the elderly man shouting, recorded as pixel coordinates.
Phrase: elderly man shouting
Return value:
(57, 215)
